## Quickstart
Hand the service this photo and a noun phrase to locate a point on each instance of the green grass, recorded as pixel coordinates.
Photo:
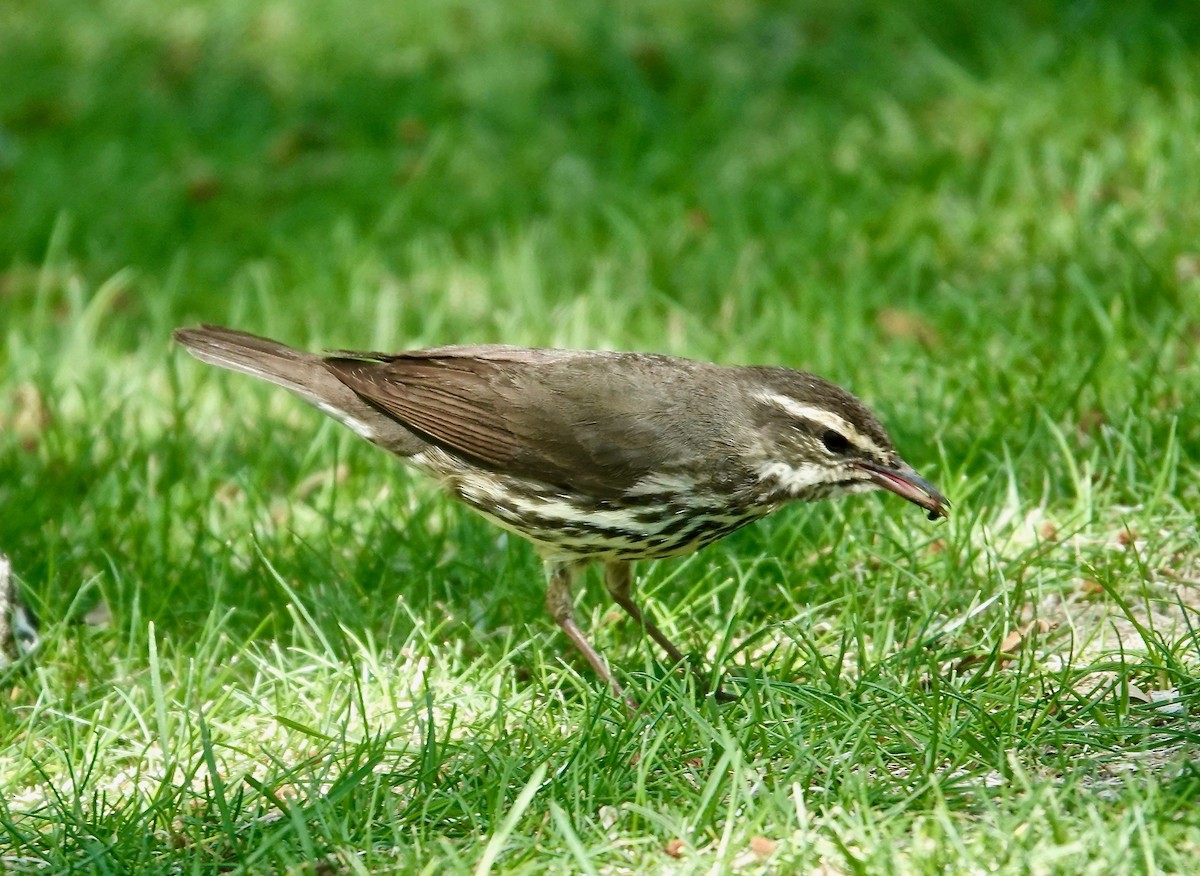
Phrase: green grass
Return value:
(983, 220)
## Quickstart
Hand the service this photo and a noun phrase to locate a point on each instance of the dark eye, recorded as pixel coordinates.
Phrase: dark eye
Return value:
(835, 442)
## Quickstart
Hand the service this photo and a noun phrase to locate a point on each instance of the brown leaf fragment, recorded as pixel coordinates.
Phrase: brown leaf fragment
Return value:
(1091, 420)
(965, 664)
(177, 835)
(202, 185)
(762, 846)
(1010, 643)
(904, 325)
(228, 493)
(698, 220)
(1137, 695)
(412, 129)
(28, 415)
(674, 847)
(1008, 648)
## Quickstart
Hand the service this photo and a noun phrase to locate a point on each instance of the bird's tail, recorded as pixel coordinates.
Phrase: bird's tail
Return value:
(303, 373)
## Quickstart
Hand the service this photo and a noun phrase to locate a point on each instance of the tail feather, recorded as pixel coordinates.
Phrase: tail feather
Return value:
(299, 372)
(295, 370)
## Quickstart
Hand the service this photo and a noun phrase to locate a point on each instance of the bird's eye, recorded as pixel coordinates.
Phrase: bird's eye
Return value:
(835, 442)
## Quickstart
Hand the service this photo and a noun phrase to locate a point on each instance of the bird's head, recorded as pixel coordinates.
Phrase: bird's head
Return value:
(817, 441)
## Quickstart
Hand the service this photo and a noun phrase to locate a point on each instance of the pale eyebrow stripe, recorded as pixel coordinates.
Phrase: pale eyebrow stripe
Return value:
(826, 418)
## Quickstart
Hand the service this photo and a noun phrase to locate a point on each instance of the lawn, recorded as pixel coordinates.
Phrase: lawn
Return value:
(268, 647)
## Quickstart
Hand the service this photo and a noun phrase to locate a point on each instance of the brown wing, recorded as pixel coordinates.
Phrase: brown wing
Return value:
(457, 401)
(591, 422)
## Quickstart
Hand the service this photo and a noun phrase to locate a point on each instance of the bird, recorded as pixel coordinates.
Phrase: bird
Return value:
(18, 624)
(595, 456)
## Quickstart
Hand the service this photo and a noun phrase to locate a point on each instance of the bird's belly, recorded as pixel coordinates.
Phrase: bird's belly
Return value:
(583, 537)
(567, 526)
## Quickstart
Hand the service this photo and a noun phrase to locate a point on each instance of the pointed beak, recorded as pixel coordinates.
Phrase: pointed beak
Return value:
(907, 484)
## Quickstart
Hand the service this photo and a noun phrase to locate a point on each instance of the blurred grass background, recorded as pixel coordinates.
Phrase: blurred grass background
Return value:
(980, 217)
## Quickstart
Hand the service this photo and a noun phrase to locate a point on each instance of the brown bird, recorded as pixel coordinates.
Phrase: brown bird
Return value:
(595, 456)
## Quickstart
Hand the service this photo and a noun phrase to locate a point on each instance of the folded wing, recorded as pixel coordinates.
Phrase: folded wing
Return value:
(579, 420)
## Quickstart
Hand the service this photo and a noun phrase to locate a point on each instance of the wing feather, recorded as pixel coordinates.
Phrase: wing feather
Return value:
(453, 406)
(593, 423)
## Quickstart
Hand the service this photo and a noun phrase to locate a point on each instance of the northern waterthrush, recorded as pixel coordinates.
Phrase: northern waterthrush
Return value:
(595, 456)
